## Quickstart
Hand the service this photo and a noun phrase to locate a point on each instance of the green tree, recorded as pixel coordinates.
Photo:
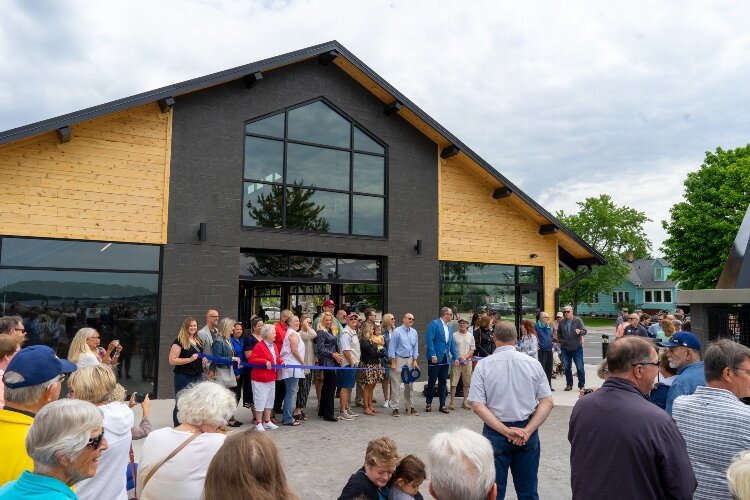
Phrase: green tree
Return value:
(614, 232)
(702, 228)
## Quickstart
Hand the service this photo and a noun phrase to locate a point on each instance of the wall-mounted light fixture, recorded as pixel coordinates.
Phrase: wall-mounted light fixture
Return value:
(534, 255)
(418, 247)
(203, 232)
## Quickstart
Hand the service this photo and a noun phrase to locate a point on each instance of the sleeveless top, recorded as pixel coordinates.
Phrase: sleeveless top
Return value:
(288, 358)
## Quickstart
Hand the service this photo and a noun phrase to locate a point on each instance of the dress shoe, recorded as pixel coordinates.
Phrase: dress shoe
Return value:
(428, 408)
(568, 387)
(443, 409)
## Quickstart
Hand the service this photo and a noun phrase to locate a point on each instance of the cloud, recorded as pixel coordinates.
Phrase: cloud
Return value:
(567, 100)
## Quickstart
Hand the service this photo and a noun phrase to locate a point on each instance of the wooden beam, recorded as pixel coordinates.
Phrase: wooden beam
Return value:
(165, 104)
(502, 192)
(393, 108)
(63, 134)
(449, 151)
(548, 229)
(327, 58)
(251, 79)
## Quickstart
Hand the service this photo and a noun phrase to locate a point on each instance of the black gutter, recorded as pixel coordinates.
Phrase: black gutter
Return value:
(266, 65)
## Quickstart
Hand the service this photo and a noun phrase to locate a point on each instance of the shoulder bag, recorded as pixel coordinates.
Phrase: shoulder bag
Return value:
(169, 457)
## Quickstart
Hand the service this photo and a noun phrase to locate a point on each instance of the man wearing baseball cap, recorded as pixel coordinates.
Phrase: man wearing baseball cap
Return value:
(684, 354)
(329, 306)
(33, 378)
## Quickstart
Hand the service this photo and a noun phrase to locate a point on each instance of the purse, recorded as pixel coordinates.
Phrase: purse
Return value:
(225, 376)
(169, 457)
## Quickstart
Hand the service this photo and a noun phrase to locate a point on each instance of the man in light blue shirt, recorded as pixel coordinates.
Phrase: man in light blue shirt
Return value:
(403, 350)
(684, 353)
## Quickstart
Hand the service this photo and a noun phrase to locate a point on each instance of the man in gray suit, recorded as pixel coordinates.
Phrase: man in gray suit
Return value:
(569, 333)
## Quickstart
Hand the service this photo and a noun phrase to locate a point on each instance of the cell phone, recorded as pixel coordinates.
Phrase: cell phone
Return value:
(140, 396)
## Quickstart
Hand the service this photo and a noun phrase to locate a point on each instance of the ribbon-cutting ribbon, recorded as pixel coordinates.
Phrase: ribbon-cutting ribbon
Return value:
(224, 361)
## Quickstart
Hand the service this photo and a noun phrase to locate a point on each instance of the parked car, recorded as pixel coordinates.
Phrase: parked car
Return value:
(501, 307)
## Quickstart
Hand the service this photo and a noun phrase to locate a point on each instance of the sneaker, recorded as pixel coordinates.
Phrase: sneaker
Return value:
(396, 413)
(568, 388)
(351, 413)
(270, 425)
(443, 409)
(414, 412)
(386, 404)
(260, 428)
(345, 416)
(428, 408)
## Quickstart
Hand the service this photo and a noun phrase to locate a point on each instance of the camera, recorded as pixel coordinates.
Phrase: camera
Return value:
(587, 391)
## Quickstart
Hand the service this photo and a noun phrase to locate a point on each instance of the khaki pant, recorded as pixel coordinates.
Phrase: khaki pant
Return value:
(461, 371)
(396, 384)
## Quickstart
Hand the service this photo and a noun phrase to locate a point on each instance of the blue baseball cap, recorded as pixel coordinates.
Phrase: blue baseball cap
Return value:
(684, 339)
(37, 364)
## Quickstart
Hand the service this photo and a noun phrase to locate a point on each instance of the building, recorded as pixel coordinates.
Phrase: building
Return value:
(276, 184)
(647, 285)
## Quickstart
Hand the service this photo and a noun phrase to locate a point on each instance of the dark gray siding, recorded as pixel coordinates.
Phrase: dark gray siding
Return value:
(206, 186)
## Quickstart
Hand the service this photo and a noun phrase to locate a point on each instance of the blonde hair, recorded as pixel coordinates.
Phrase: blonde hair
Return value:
(79, 346)
(226, 325)
(738, 476)
(94, 384)
(9, 345)
(388, 321)
(367, 330)
(184, 337)
(323, 317)
(382, 451)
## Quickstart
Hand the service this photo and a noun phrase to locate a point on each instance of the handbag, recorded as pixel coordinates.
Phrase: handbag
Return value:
(131, 473)
(225, 376)
(169, 457)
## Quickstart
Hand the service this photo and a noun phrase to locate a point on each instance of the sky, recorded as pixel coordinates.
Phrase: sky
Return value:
(566, 99)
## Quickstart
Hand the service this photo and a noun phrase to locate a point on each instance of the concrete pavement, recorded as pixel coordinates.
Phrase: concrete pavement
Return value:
(320, 456)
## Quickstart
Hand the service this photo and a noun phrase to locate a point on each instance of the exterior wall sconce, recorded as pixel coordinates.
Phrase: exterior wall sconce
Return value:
(203, 232)
(534, 255)
(418, 247)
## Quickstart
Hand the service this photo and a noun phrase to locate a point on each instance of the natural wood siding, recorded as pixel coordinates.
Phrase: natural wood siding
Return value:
(474, 227)
(110, 182)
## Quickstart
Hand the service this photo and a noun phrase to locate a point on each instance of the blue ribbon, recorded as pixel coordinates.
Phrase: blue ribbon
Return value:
(409, 376)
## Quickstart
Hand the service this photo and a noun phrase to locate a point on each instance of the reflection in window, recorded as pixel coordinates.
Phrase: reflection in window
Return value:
(56, 303)
(359, 269)
(263, 265)
(307, 180)
(317, 167)
(266, 265)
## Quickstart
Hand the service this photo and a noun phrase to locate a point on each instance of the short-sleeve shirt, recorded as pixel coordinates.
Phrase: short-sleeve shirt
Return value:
(510, 383)
(464, 342)
(194, 367)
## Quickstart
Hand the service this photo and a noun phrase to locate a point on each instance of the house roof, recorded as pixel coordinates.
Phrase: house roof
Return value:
(642, 274)
(573, 251)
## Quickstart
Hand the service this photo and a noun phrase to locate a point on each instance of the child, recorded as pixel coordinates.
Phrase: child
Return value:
(407, 478)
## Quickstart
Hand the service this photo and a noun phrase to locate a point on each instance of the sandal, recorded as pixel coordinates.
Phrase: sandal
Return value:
(293, 424)
(374, 410)
(368, 412)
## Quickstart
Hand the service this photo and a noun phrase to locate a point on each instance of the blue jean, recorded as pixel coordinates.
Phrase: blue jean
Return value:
(290, 396)
(522, 460)
(441, 374)
(180, 382)
(577, 357)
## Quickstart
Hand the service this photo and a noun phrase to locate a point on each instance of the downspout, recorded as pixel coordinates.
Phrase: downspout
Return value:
(570, 282)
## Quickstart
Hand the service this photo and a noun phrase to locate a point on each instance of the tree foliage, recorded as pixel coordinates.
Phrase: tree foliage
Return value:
(614, 232)
(702, 228)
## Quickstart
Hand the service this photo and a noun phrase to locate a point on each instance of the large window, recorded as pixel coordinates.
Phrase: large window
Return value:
(310, 168)
(513, 291)
(657, 296)
(618, 297)
(60, 286)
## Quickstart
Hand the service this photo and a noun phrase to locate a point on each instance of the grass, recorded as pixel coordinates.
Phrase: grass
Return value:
(598, 321)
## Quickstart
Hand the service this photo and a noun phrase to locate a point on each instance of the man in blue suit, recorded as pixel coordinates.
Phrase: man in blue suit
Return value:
(441, 350)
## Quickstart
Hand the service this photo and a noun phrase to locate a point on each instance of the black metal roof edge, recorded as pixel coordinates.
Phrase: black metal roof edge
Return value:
(266, 64)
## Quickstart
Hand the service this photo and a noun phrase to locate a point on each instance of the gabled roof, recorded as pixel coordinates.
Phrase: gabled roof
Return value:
(330, 50)
(642, 274)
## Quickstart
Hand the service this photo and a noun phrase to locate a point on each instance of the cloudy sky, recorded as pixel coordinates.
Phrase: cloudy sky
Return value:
(566, 99)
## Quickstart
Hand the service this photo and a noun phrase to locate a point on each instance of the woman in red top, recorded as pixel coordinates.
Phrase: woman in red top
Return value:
(264, 353)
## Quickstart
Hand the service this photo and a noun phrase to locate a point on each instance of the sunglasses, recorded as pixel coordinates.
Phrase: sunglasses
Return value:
(96, 442)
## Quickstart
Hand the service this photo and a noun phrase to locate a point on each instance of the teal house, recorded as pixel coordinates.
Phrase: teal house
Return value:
(647, 285)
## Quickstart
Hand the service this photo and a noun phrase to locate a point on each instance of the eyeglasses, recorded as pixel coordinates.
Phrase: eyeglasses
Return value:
(97, 337)
(409, 319)
(61, 378)
(649, 363)
(20, 330)
(96, 442)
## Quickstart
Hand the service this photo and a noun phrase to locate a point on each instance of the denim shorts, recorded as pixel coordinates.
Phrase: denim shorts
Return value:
(346, 378)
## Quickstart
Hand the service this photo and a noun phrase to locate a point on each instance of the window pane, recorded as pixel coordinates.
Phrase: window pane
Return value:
(264, 159)
(667, 295)
(317, 210)
(263, 265)
(54, 305)
(477, 273)
(364, 142)
(318, 123)
(657, 295)
(369, 174)
(273, 126)
(368, 215)
(303, 266)
(649, 296)
(78, 254)
(530, 275)
(614, 298)
(317, 167)
(261, 205)
(359, 269)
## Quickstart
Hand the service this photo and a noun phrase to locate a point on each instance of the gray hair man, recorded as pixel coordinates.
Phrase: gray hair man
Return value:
(64, 442)
(461, 466)
(643, 456)
(569, 333)
(713, 420)
(511, 395)
(32, 379)
(684, 354)
(12, 325)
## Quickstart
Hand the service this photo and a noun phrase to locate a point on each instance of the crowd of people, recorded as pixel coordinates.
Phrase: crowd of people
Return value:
(665, 399)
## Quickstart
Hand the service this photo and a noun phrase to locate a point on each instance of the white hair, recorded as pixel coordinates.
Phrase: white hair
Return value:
(462, 465)
(62, 428)
(266, 331)
(25, 396)
(205, 403)
(738, 475)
